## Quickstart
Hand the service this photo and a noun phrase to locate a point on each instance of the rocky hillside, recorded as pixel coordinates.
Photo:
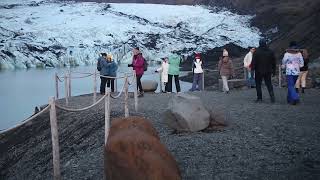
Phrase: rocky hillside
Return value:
(280, 20)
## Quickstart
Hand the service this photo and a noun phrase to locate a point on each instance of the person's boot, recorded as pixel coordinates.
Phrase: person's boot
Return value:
(303, 90)
(258, 100)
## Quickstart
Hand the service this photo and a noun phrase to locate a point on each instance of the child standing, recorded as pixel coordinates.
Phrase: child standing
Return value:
(197, 74)
(164, 73)
(226, 70)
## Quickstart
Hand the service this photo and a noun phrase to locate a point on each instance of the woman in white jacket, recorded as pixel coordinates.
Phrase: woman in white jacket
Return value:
(164, 73)
(197, 74)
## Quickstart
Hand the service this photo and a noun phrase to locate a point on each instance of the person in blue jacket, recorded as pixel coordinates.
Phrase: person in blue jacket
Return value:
(108, 68)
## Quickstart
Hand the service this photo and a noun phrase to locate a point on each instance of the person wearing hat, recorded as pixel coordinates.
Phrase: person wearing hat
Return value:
(226, 70)
(102, 57)
(164, 72)
(197, 73)
(292, 61)
(264, 65)
(108, 68)
(247, 65)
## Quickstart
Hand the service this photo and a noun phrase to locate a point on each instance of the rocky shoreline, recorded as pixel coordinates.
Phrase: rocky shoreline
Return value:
(280, 143)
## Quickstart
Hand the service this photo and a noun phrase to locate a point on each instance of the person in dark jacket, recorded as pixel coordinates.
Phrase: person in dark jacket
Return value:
(301, 82)
(264, 66)
(108, 68)
(102, 57)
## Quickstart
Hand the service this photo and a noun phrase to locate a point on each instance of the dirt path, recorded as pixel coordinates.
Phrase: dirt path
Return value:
(263, 141)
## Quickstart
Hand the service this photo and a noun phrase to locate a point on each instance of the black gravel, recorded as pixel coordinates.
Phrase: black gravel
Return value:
(262, 141)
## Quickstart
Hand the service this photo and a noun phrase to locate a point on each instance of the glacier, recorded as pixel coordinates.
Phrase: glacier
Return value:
(55, 34)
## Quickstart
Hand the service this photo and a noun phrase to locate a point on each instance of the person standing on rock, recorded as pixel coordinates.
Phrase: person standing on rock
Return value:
(164, 73)
(264, 66)
(108, 68)
(174, 71)
(292, 62)
(247, 65)
(138, 65)
(226, 70)
(301, 81)
(197, 74)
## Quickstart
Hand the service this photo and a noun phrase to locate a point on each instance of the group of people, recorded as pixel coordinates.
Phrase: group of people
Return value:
(259, 63)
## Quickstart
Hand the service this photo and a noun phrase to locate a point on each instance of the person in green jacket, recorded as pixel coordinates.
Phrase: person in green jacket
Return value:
(174, 65)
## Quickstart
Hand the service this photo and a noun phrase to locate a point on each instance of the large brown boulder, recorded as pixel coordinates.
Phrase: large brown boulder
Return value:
(134, 152)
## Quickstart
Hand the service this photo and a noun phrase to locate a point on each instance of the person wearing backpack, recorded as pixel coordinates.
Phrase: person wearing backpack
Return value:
(197, 74)
(174, 65)
(139, 65)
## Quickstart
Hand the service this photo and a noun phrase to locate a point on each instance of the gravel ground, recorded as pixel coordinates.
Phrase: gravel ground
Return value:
(262, 141)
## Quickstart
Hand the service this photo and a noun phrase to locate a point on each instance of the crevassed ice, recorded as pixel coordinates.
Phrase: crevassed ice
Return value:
(47, 33)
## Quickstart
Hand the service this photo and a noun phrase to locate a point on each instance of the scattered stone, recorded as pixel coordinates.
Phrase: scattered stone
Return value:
(134, 151)
(149, 85)
(187, 113)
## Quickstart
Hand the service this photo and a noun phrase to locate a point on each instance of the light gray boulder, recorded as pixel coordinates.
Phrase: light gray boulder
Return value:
(149, 85)
(187, 113)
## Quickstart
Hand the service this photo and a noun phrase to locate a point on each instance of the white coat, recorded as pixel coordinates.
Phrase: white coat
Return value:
(247, 60)
(164, 71)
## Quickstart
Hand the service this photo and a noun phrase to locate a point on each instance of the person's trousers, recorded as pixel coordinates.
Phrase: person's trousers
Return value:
(250, 78)
(165, 86)
(267, 80)
(301, 81)
(197, 82)
(139, 85)
(104, 82)
(225, 87)
(176, 80)
(292, 93)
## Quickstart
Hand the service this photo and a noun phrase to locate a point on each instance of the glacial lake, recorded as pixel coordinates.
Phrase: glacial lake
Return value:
(22, 90)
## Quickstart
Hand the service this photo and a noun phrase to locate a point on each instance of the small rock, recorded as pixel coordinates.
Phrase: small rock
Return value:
(149, 85)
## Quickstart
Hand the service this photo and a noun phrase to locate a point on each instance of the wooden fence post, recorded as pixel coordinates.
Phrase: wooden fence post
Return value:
(66, 88)
(69, 83)
(57, 85)
(280, 77)
(135, 91)
(126, 109)
(203, 81)
(95, 86)
(107, 116)
(160, 83)
(55, 139)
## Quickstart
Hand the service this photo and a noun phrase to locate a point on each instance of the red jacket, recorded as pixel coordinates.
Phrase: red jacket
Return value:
(138, 64)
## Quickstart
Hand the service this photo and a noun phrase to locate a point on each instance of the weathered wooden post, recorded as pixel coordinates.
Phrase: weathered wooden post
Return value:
(57, 85)
(66, 88)
(203, 81)
(55, 140)
(280, 77)
(69, 83)
(126, 109)
(95, 86)
(107, 116)
(135, 91)
(160, 81)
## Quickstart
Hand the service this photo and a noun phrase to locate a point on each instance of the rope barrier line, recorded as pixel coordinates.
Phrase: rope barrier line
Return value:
(80, 77)
(82, 109)
(27, 120)
(120, 77)
(77, 72)
(59, 78)
(115, 97)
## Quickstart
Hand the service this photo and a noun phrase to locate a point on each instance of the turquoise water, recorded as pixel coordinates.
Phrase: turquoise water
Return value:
(22, 90)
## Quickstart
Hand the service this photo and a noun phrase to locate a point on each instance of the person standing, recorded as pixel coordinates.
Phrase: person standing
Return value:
(226, 70)
(197, 74)
(102, 57)
(138, 65)
(164, 72)
(247, 65)
(108, 68)
(174, 70)
(292, 62)
(301, 81)
(264, 65)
